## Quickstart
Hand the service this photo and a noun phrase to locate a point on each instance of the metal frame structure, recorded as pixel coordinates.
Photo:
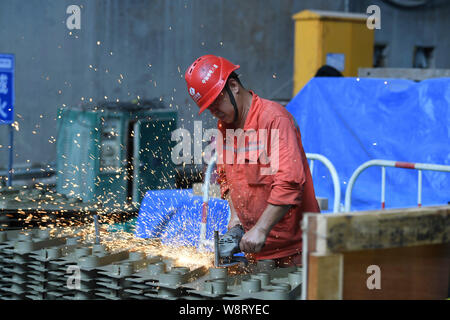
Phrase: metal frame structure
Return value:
(334, 176)
(395, 164)
(336, 204)
(37, 265)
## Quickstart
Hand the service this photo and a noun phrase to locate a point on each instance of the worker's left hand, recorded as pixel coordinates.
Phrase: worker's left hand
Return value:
(253, 240)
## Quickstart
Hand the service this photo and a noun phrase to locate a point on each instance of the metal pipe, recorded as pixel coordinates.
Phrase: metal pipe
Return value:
(334, 176)
(205, 187)
(304, 257)
(216, 249)
(419, 191)
(311, 167)
(11, 154)
(383, 187)
(97, 231)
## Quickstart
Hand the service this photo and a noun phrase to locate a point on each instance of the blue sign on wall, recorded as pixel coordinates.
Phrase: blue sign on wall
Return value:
(6, 88)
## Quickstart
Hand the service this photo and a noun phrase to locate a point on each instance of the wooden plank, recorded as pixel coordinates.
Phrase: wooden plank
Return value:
(309, 224)
(410, 246)
(312, 226)
(379, 229)
(418, 272)
(325, 273)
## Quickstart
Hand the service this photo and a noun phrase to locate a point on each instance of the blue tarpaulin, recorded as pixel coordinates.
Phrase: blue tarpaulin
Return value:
(351, 121)
(174, 216)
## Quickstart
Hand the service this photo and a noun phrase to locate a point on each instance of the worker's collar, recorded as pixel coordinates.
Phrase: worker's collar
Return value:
(250, 115)
(251, 112)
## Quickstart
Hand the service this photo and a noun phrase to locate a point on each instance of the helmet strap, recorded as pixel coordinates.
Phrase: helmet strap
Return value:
(233, 102)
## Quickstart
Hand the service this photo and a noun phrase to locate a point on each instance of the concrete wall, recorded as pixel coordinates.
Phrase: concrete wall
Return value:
(147, 43)
(127, 49)
(404, 29)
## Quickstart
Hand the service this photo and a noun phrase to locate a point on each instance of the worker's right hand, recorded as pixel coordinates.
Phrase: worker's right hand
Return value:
(253, 241)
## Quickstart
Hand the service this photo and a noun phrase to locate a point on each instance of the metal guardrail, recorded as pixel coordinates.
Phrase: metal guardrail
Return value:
(337, 198)
(310, 156)
(334, 176)
(396, 164)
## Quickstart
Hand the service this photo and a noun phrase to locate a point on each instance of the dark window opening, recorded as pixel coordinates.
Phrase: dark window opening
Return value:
(380, 56)
(423, 57)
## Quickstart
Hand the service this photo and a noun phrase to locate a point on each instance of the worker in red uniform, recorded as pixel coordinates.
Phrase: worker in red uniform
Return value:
(269, 206)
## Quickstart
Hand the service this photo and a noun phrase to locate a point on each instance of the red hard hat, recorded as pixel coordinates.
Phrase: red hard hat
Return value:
(206, 78)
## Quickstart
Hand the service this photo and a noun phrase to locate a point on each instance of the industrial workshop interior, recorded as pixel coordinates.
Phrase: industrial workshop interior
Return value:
(235, 152)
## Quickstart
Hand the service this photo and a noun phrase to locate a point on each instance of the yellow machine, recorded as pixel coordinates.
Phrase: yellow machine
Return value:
(341, 40)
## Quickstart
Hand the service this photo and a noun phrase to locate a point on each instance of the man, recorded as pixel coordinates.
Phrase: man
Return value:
(269, 206)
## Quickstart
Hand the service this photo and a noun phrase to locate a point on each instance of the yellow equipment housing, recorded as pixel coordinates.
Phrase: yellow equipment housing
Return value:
(339, 39)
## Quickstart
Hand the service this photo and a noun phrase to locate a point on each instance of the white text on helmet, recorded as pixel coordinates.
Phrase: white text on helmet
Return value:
(210, 72)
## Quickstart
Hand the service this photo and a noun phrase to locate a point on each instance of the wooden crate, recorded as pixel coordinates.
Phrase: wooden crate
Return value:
(411, 247)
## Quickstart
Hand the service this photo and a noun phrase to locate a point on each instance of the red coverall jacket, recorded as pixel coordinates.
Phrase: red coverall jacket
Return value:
(289, 184)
